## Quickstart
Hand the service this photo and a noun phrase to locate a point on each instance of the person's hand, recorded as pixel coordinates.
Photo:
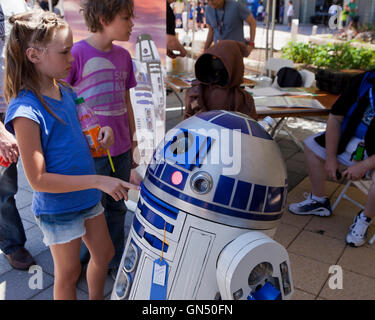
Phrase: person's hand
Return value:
(116, 188)
(249, 47)
(171, 55)
(106, 137)
(356, 172)
(248, 50)
(331, 167)
(174, 47)
(8, 146)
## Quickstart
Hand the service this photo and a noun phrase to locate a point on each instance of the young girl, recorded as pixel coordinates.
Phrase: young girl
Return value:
(102, 73)
(54, 152)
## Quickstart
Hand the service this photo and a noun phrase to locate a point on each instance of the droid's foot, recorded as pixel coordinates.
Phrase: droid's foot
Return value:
(311, 206)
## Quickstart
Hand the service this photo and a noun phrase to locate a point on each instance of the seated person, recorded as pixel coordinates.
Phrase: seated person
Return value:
(351, 121)
(219, 71)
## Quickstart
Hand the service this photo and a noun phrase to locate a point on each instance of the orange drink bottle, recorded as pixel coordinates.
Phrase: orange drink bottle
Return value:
(90, 126)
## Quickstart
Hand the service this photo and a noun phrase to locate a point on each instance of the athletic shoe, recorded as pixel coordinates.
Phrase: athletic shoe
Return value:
(311, 206)
(358, 231)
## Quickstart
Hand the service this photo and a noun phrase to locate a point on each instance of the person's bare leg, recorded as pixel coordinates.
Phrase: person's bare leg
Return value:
(67, 269)
(316, 171)
(99, 243)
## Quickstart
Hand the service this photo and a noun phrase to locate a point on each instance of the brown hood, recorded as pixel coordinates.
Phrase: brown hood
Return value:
(219, 71)
(231, 54)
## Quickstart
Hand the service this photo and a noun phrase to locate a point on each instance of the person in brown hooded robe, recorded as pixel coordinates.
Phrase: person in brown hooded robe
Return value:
(219, 72)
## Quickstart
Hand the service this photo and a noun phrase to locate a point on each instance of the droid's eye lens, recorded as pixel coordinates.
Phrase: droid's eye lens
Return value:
(201, 182)
(201, 185)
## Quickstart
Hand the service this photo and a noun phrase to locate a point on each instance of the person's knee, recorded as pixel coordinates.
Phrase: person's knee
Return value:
(69, 274)
(104, 257)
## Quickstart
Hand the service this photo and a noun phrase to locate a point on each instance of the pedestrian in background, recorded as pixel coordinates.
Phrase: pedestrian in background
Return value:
(12, 233)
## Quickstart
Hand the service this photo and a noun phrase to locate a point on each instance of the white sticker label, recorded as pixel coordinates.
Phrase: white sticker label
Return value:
(159, 274)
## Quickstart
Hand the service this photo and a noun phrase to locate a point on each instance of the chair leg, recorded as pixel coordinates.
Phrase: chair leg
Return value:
(372, 239)
(342, 193)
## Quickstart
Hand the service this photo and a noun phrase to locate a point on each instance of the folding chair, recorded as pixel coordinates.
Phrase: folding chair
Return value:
(363, 185)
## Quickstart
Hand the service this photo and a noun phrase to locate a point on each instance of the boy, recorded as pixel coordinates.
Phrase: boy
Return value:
(350, 128)
(103, 74)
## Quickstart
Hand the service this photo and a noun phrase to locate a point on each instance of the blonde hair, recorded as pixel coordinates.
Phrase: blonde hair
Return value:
(34, 29)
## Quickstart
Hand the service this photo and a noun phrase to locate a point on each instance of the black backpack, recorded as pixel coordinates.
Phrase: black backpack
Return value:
(289, 77)
(332, 81)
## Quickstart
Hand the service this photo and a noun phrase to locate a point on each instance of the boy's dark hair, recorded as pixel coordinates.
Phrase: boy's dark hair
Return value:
(94, 10)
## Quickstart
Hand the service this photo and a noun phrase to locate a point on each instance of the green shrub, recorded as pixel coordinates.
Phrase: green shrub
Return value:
(333, 56)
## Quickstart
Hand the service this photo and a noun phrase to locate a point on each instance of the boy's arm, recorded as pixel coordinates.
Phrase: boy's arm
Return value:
(133, 138)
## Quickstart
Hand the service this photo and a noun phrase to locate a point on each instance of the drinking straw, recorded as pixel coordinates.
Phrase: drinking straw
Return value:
(110, 160)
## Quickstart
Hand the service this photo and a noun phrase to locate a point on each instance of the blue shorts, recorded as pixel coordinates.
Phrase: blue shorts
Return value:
(65, 227)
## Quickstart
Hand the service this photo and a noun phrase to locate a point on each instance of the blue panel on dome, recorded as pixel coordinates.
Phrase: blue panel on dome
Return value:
(209, 115)
(224, 189)
(241, 196)
(169, 171)
(257, 201)
(275, 199)
(232, 122)
(159, 169)
(258, 131)
(187, 148)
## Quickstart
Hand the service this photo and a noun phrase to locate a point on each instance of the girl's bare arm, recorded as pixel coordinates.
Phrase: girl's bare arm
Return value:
(28, 138)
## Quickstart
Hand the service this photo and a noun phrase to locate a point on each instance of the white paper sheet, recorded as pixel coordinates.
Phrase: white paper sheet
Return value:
(287, 102)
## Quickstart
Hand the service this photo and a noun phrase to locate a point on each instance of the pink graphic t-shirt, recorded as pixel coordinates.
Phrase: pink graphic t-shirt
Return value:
(102, 79)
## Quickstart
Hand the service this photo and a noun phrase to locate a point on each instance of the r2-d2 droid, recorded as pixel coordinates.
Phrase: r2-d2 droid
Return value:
(208, 207)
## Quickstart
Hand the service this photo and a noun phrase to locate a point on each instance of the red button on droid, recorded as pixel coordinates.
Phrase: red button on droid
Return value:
(176, 177)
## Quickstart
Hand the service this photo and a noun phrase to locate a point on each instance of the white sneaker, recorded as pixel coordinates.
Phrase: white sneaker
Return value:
(311, 206)
(358, 231)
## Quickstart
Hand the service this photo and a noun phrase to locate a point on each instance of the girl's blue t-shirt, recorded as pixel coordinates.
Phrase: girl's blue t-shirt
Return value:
(65, 149)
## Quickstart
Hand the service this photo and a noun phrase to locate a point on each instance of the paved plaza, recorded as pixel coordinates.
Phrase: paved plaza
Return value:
(314, 244)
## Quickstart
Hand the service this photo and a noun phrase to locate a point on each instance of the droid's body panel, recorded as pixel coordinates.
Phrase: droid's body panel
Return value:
(147, 53)
(216, 177)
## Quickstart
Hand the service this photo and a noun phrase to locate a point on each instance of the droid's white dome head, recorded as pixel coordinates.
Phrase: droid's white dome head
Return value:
(222, 166)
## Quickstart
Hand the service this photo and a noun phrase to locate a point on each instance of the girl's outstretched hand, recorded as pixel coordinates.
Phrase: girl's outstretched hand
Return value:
(115, 187)
(106, 137)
